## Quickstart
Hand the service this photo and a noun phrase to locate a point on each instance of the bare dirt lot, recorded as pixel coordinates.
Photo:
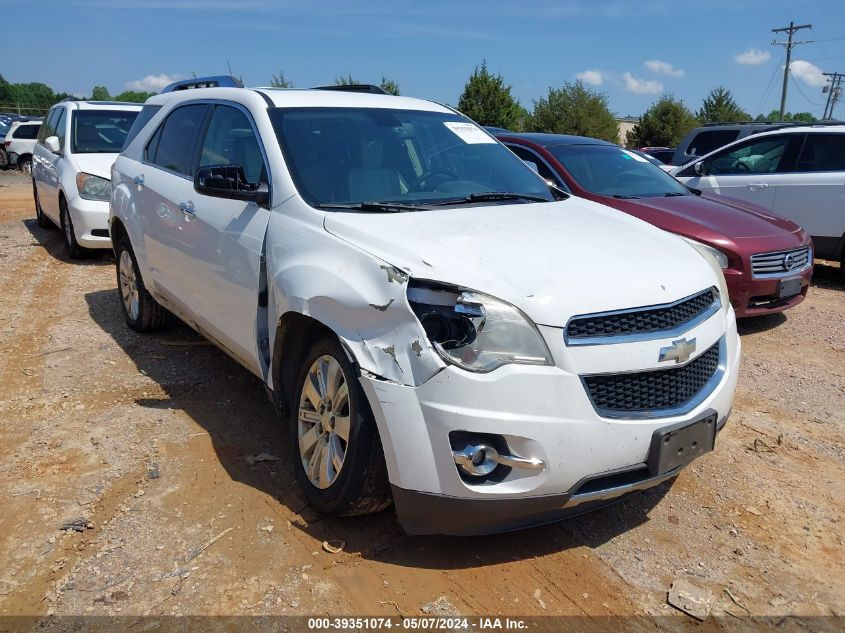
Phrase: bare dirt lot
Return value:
(146, 440)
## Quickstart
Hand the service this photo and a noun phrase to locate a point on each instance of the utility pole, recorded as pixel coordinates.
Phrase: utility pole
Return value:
(834, 92)
(789, 44)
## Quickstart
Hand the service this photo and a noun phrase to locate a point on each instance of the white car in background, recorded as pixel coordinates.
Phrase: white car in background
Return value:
(797, 172)
(436, 326)
(71, 169)
(19, 143)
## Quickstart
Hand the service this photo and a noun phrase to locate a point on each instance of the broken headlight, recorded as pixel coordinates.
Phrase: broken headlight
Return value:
(475, 331)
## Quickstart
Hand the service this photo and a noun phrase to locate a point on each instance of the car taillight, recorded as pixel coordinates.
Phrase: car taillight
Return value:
(7, 143)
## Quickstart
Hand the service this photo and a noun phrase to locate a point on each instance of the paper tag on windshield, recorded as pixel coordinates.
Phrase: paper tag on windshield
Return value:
(468, 132)
(634, 156)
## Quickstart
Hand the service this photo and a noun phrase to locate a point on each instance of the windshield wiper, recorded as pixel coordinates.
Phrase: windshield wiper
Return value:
(621, 196)
(374, 207)
(491, 196)
(673, 194)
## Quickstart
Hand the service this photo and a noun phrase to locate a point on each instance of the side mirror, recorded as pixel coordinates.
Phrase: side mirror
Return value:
(52, 144)
(700, 168)
(229, 181)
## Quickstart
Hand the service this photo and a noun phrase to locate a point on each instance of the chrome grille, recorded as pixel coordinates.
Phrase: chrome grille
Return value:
(648, 320)
(781, 263)
(661, 391)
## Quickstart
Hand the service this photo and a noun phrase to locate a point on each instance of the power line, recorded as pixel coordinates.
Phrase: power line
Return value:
(789, 44)
(798, 85)
(769, 87)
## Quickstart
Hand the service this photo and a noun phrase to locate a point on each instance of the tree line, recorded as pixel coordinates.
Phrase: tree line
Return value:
(574, 108)
(35, 98)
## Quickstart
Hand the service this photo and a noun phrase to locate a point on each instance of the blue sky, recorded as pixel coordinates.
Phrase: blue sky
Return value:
(633, 50)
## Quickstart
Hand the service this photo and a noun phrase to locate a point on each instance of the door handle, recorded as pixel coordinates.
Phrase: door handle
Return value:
(139, 180)
(187, 208)
(757, 185)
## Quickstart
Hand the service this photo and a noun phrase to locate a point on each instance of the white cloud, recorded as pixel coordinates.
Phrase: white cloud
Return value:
(642, 86)
(753, 57)
(663, 68)
(808, 73)
(152, 83)
(592, 77)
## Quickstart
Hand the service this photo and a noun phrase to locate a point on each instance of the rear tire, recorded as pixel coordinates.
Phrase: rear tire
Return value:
(25, 164)
(43, 221)
(141, 311)
(339, 476)
(74, 250)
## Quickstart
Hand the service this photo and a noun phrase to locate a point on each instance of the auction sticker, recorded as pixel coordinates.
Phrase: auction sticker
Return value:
(469, 132)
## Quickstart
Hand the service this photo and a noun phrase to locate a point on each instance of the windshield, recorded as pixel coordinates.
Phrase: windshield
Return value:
(609, 170)
(100, 131)
(348, 156)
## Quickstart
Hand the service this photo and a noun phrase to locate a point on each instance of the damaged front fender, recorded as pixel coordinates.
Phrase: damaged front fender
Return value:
(363, 301)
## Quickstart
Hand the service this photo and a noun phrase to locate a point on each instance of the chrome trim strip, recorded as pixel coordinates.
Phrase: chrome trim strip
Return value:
(618, 491)
(697, 399)
(611, 339)
(514, 461)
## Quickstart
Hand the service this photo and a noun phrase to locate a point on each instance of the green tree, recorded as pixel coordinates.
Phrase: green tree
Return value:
(487, 100)
(664, 124)
(32, 98)
(7, 93)
(774, 115)
(280, 81)
(575, 109)
(346, 81)
(134, 96)
(719, 107)
(100, 93)
(389, 86)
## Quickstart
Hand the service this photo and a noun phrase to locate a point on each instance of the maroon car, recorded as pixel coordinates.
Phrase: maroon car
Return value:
(767, 260)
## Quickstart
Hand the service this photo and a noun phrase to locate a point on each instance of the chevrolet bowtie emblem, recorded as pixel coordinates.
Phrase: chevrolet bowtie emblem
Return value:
(679, 351)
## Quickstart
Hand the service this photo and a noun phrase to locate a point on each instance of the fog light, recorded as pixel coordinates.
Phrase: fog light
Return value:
(477, 460)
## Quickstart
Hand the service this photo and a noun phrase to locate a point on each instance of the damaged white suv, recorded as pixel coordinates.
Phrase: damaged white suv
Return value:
(436, 326)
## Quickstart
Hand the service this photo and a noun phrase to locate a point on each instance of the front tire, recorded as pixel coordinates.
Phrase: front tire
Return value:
(335, 444)
(74, 250)
(141, 311)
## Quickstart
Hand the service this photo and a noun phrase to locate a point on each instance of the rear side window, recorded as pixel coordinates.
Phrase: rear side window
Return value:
(173, 145)
(706, 142)
(147, 113)
(822, 152)
(26, 132)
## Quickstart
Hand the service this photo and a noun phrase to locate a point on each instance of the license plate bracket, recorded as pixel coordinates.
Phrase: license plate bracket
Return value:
(789, 287)
(677, 445)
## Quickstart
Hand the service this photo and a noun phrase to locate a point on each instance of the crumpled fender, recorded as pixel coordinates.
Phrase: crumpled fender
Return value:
(362, 299)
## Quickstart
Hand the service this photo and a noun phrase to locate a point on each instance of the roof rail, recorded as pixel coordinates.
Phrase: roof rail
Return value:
(370, 88)
(217, 81)
(753, 123)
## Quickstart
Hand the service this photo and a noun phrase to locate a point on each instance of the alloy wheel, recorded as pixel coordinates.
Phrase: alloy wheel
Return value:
(323, 421)
(129, 285)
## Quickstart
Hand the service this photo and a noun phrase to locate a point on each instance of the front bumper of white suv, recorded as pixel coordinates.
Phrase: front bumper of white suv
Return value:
(578, 434)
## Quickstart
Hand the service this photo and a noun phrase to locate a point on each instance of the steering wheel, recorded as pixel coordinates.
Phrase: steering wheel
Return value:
(417, 184)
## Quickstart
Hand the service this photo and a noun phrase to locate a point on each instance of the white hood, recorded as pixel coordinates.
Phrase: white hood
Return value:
(96, 164)
(552, 260)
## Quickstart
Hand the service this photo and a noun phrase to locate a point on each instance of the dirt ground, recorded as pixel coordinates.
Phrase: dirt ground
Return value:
(146, 440)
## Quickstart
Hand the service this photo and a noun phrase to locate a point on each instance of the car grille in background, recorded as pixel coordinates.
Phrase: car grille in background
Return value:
(641, 320)
(780, 263)
(654, 390)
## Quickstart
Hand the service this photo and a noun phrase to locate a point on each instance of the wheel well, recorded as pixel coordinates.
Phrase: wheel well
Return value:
(294, 334)
(117, 232)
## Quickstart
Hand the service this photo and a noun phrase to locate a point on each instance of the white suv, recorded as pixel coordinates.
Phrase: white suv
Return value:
(71, 164)
(19, 143)
(797, 172)
(434, 326)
